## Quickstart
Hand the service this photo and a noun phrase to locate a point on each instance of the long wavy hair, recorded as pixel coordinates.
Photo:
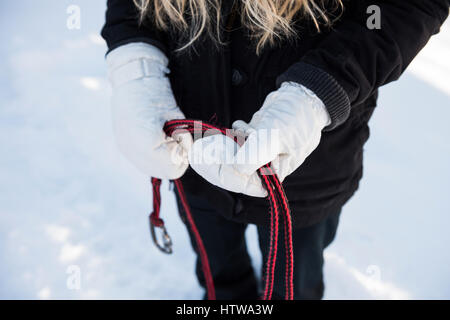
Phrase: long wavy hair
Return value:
(267, 20)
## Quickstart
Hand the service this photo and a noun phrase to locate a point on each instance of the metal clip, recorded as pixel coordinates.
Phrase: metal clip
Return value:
(166, 247)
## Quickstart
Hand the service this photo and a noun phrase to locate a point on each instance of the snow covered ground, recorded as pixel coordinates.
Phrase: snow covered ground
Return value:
(70, 203)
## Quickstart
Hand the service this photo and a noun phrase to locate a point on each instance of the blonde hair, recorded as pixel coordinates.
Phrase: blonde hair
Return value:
(268, 20)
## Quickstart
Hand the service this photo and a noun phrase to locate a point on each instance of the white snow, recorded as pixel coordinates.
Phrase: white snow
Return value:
(71, 206)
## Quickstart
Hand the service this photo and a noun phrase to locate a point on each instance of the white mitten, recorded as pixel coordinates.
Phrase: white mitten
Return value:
(142, 101)
(284, 132)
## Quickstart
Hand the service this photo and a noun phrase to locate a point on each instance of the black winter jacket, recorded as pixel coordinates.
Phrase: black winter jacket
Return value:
(344, 66)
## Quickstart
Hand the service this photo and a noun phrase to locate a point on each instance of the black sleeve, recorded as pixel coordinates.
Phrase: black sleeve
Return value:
(352, 61)
(122, 26)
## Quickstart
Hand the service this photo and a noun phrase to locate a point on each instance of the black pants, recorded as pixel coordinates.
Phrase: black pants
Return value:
(231, 268)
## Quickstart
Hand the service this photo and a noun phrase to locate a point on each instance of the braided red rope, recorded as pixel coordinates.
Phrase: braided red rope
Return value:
(288, 237)
(200, 246)
(278, 203)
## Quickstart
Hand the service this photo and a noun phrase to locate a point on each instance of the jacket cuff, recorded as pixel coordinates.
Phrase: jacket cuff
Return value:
(324, 86)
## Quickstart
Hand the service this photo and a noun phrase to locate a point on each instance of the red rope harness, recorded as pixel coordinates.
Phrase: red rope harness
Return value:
(279, 209)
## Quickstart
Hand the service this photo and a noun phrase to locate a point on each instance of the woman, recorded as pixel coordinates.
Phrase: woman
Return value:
(306, 71)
